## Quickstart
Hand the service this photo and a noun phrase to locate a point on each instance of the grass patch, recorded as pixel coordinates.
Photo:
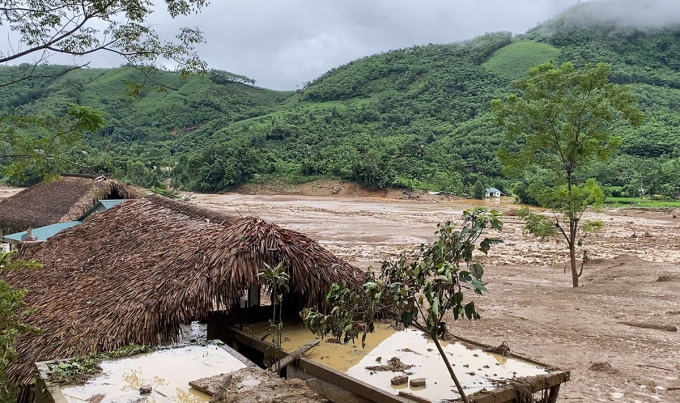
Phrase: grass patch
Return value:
(513, 61)
(636, 202)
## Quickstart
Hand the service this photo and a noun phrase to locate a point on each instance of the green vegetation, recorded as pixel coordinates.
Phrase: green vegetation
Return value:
(13, 313)
(479, 192)
(417, 289)
(513, 61)
(275, 280)
(560, 121)
(646, 202)
(44, 143)
(80, 369)
(171, 193)
(415, 118)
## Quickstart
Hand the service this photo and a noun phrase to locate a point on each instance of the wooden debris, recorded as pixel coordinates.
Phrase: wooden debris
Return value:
(394, 364)
(287, 360)
(96, 398)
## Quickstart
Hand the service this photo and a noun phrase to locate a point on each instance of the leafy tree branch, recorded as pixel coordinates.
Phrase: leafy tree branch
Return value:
(417, 290)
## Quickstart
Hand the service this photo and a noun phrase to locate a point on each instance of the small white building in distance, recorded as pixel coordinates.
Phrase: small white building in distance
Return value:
(492, 192)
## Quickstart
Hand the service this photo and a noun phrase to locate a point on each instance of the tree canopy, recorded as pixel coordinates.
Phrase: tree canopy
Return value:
(560, 120)
(418, 117)
(79, 28)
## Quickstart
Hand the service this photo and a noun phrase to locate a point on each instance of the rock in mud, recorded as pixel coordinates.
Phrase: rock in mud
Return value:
(399, 380)
(145, 389)
(418, 383)
(603, 367)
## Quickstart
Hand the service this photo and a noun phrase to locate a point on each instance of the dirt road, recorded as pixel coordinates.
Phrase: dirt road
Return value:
(530, 304)
(633, 278)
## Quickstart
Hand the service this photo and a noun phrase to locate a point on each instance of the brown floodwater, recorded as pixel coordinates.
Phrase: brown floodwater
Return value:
(340, 357)
(475, 369)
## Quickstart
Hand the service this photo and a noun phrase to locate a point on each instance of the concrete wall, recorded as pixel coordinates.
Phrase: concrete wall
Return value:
(45, 392)
(332, 392)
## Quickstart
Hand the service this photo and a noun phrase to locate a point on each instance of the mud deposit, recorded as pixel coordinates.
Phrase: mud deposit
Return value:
(168, 372)
(530, 303)
(252, 385)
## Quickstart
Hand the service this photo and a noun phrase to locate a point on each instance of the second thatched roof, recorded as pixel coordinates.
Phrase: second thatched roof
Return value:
(135, 273)
(60, 200)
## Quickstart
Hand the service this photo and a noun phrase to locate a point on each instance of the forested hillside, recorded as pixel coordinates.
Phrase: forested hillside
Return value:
(416, 117)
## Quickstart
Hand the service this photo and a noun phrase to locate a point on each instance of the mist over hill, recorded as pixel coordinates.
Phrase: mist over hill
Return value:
(636, 14)
(415, 117)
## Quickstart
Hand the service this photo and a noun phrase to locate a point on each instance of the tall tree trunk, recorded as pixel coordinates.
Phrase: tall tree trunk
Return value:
(450, 368)
(573, 227)
(572, 259)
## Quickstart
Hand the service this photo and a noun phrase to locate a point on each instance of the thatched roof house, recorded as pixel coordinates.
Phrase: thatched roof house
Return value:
(62, 200)
(136, 272)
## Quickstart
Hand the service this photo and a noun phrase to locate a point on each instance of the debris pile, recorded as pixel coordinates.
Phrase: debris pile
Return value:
(394, 364)
(252, 385)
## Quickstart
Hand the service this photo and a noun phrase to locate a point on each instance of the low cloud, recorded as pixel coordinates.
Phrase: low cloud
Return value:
(283, 43)
(640, 14)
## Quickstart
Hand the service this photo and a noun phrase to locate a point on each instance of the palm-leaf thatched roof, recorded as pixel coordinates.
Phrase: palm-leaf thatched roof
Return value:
(135, 273)
(60, 200)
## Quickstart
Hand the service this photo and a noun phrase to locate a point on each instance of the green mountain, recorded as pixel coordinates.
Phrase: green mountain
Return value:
(416, 117)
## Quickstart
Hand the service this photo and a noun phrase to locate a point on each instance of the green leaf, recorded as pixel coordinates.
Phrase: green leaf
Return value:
(477, 270)
(435, 307)
(478, 286)
(470, 311)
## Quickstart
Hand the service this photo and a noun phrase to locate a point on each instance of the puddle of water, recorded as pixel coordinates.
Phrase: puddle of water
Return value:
(340, 357)
(481, 368)
(167, 371)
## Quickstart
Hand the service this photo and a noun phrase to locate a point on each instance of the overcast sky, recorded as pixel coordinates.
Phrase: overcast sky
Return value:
(283, 43)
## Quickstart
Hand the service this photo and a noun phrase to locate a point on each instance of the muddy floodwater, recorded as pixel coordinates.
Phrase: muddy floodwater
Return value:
(475, 369)
(340, 357)
(633, 275)
(168, 372)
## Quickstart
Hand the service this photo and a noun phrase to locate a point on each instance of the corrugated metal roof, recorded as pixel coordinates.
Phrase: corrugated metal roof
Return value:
(43, 233)
(110, 203)
(102, 205)
(493, 190)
